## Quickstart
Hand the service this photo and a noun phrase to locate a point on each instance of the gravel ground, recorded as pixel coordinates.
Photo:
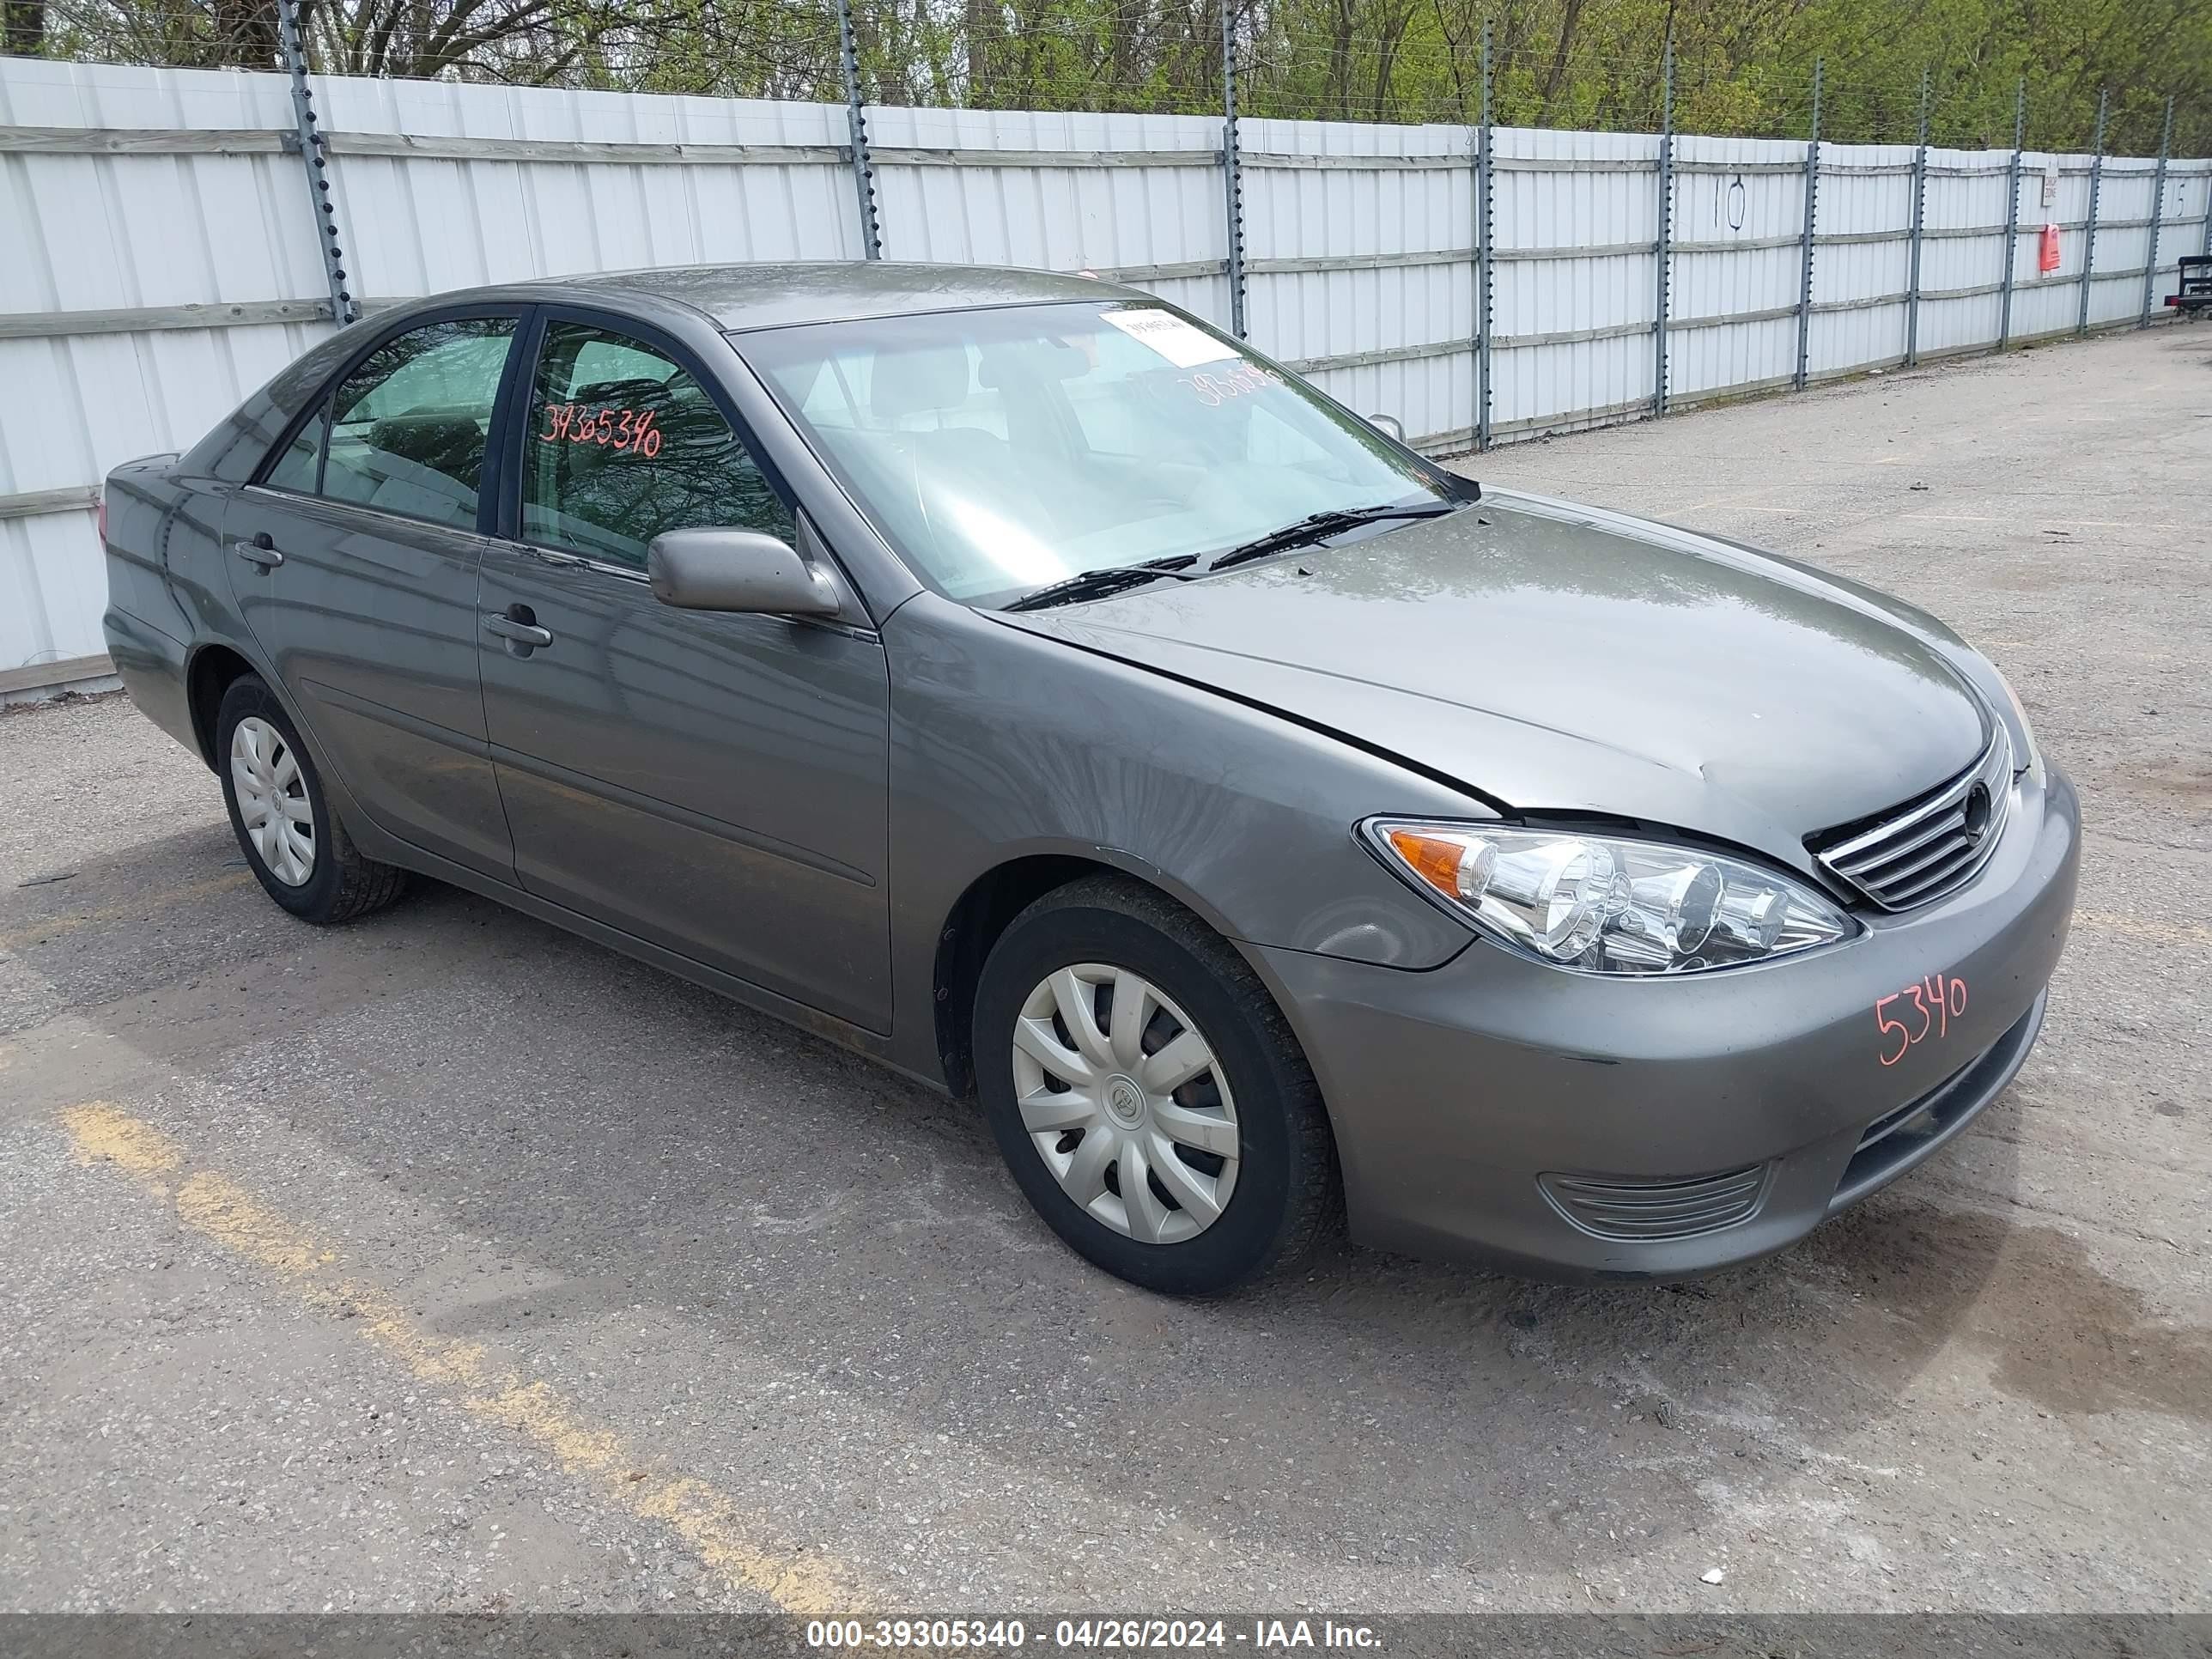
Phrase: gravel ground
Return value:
(448, 1261)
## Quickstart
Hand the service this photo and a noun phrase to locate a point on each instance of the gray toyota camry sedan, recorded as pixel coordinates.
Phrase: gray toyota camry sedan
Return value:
(1014, 678)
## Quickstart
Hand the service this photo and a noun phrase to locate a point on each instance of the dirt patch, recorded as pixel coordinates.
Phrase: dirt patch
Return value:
(2188, 786)
(2063, 1336)
(60, 700)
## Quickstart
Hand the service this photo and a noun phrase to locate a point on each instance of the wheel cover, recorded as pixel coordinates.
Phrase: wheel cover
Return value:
(1124, 1101)
(272, 801)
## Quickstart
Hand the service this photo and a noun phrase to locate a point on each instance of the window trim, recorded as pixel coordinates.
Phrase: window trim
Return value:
(512, 418)
(259, 478)
(338, 504)
(325, 402)
(319, 410)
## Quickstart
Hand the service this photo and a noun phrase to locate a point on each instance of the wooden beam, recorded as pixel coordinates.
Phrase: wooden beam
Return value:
(401, 146)
(930, 156)
(407, 147)
(32, 503)
(141, 141)
(38, 675)
(1295, 162)
(1405, 353)
(146, 319)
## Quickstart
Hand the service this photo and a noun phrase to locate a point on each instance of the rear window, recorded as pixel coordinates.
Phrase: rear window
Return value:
(406, 430)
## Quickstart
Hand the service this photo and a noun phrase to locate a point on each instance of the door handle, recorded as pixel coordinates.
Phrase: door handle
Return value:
(516, 630)
(260, 551)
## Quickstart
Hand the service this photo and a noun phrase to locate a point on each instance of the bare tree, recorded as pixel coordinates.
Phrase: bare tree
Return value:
(985, 24)
(527, 41)
(23, 28)
(1570, 15)
(1390, 20)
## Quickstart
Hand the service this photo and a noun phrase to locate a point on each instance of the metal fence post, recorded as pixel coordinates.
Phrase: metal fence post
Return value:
(1230, 182)
(1805, 252)
(1666, 224)
(1919, 218)
(2157, 211)
(2096, 188)
(2011, 209)
(1482, 269)
(315, 156)
(856, 123)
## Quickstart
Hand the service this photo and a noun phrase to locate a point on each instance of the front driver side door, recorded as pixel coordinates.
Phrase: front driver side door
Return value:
(713, 783)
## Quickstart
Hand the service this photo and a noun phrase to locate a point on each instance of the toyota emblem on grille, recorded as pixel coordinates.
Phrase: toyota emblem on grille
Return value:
(1977, 814)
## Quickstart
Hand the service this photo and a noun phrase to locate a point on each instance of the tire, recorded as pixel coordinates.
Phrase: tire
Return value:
(335, 882)
(1255, 1098)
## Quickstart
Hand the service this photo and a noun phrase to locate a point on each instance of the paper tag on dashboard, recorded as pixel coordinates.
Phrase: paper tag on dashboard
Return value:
(1172, 337)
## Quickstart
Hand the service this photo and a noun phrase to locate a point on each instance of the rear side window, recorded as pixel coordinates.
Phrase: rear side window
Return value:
(405, 432)
(621, 445)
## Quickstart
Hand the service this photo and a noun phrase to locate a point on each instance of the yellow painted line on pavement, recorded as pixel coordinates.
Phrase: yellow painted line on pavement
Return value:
(57, 927)
(2134, 927)
(218, 1208)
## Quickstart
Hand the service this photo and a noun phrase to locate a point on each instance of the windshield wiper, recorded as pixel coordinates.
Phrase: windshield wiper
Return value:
(1119, 577)
(1314, 525)
(1097, 584)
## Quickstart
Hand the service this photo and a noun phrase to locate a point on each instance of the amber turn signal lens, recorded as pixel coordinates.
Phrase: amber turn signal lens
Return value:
(1432, 858)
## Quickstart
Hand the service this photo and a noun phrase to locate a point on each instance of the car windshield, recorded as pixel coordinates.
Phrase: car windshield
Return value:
(1004, 450)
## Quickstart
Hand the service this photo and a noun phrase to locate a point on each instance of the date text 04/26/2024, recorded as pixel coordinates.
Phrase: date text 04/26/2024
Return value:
(1090, 1635)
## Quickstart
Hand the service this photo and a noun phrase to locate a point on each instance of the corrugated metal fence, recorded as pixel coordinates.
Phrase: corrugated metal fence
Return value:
(159, 256)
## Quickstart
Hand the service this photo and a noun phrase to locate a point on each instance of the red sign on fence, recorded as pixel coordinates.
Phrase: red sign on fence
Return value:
(2047, 259)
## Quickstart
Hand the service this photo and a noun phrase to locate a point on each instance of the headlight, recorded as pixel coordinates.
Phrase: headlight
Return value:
(1605, 905)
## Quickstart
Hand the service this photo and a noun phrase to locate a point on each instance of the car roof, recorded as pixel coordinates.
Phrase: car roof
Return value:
(749, 296)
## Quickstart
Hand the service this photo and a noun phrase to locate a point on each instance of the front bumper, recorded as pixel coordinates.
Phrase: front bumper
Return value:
(1578, 1127)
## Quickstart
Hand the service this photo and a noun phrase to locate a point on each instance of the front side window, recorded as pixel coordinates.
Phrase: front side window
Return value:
(408, 426)
(623, 444)
(1002, 450)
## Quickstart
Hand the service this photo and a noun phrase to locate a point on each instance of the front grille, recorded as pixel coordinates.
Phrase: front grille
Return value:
(1615, 1207)
(1931, 845)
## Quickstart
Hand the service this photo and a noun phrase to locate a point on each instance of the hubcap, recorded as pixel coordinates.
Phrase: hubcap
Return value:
(1124, 1101)
(272, 801)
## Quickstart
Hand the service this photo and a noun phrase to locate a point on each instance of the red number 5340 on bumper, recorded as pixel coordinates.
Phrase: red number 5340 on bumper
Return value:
(1917, 1012)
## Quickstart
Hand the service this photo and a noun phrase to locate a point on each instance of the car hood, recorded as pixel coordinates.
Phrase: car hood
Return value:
(1558, 659)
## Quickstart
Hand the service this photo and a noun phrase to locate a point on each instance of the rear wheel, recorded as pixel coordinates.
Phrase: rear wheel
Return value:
(298, 849)
(1148, 1094)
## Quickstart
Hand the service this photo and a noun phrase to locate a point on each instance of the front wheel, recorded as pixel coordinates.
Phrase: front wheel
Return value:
(1148, 1094)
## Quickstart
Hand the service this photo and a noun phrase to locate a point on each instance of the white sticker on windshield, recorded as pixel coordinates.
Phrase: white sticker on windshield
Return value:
(1172, 337)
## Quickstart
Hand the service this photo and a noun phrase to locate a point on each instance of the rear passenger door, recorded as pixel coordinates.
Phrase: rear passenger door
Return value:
(354, 555)
(714, 783)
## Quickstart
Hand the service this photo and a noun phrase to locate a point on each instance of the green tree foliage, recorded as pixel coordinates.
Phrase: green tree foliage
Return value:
(1746, 66)
(1742, 66)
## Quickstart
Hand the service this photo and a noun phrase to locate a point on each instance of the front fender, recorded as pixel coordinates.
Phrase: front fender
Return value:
(1007, 745)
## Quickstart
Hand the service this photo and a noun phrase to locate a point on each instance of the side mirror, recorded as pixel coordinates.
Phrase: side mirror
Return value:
(1389, 425)
(736, 570)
